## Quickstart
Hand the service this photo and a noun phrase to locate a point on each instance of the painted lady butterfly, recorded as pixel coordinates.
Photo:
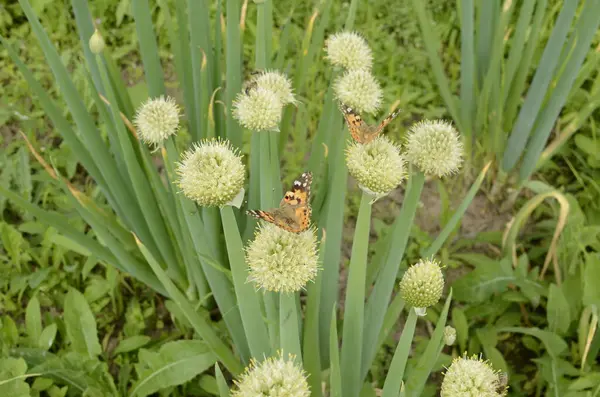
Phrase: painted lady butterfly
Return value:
(294, 209)
(361, 131)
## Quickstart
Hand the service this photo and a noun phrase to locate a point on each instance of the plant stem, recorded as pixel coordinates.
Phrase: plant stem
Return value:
(247, 298)
(289, 330)
(392, 384)
(382, 290)
(270, 301)
(355, 300)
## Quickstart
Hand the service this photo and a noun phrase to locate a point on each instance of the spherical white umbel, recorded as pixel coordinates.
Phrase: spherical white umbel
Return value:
(434, 147)
(211, 173)
(348, 50)
(156, 120)
(275, 376)
(258, 110)
(281, 261)
(377, 166)
(472, 377)
(278, 83)
(360, 90)
(422, 285)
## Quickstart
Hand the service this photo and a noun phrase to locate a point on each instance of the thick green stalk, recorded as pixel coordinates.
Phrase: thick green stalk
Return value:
(233, 69)
(486, 18)
(275, 167)
(467, 68)
(351, 15)
(267, 201)
(334, 352)
(393, 381)
(311, 345)
(288, 325)
(382, 290)
(254, 183)
(352, 334)
(272, 308)
(247, 296)
(333, 219)
(392, 314)
(186, 80)
(148, 47)
(201, 58)
(418, 375)
(262, 36)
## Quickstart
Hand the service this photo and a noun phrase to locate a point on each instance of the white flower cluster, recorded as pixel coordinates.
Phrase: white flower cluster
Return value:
(258, 107)
(357, 87)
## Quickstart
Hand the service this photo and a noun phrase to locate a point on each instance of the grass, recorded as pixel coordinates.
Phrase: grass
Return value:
(39, 262)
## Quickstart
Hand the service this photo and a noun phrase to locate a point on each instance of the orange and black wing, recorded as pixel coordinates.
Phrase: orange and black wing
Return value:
(377, 130)
(293, 220)
(361, 132)
(294, 210)
(260, 214)
(356, 125)
(299, 194)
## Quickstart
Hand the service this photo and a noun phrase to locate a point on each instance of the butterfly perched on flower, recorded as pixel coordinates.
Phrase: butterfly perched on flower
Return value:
(294, 209)
(362, 132)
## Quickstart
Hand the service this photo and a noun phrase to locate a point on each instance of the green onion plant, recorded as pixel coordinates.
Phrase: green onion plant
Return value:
(500, 108)
(178, 228)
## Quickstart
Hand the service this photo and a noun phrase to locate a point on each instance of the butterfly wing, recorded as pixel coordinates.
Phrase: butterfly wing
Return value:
(287, 218)
(356, 125)
(268, 216)
(294, 210)
(299, 194)
(374, 131)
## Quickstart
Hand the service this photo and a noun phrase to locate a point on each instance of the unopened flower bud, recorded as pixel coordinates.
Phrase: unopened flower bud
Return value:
(96, 43)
